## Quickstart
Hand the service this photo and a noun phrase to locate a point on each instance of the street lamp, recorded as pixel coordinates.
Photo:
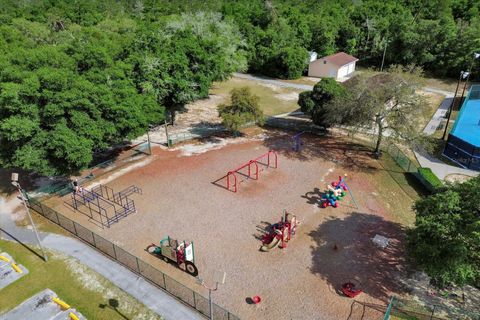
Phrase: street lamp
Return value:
(218, 277)
(16, 184)
(463, 75)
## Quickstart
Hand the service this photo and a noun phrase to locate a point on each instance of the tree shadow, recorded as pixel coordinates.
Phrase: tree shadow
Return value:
(314, 197)
(113, 304)
(349, 155)
(206, 128)
(345, 252)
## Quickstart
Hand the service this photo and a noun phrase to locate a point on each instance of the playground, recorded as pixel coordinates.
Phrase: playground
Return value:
(227, 195)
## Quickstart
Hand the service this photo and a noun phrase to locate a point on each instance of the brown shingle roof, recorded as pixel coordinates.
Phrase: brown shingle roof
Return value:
(340, 58)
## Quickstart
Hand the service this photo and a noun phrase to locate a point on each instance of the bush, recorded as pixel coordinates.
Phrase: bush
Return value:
(430, 177)
(243, 109)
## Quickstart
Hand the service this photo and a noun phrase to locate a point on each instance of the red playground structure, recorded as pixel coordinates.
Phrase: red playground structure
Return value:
(349, 289)
(251, 169)
(281, 232)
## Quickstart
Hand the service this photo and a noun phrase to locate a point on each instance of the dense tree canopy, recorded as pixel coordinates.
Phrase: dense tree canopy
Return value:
(79, 76)
(446, 239)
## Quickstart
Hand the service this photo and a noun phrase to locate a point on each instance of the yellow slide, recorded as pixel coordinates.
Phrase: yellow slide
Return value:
(275, 242)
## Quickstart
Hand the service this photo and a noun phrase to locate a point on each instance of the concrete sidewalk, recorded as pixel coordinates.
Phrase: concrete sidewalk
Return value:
(440, 168)
(154, 298)
(438, 117)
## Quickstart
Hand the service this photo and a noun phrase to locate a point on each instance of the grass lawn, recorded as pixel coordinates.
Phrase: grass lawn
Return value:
(42, 224)
(80, 287)
(303, 80)
(433, 102)
(273, 99)
(442, 84)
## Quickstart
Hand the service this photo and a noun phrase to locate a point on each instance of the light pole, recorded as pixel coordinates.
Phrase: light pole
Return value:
(218, 277)
(463, 74)
(16, 184)
(475, 56)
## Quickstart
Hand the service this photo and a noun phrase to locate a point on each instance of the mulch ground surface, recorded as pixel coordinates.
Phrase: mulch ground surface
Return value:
(332, 245)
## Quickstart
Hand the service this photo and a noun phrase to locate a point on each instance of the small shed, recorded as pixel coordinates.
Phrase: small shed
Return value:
(337, 66)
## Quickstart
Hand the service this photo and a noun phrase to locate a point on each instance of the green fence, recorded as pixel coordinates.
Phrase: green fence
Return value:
(133, 263)
(401, 159)
(63, 185)
(408, 165)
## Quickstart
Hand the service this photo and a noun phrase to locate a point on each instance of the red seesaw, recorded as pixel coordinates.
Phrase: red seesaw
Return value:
(253, 170)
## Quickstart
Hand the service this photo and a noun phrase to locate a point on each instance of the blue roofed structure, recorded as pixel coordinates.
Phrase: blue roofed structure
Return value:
(463, 144)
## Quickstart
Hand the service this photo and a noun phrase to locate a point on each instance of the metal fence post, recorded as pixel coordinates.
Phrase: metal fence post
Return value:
(56, 215)
(194, 300)
(138, 265)
(94, 242)
(114, 251)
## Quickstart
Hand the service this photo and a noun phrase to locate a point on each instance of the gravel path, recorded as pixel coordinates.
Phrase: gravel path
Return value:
(274, 82)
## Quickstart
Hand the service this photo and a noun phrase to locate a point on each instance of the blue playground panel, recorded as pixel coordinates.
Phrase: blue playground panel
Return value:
(463, 144)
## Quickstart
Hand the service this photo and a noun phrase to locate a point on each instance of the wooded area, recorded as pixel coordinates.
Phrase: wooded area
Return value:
(79, 76)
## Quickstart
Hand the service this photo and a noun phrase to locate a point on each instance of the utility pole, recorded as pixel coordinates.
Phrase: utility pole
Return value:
(384, 52)
(450, 109)
(16, 184)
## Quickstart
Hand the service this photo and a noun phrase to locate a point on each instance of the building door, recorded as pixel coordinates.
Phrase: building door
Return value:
(332, 72)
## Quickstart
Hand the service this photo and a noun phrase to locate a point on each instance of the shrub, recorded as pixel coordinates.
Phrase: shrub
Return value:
(430, 177)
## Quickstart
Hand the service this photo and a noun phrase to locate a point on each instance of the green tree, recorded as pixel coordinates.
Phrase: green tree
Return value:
(445, 241)
(179, 62)
(387, 103)
(244, 108)
(315, 102)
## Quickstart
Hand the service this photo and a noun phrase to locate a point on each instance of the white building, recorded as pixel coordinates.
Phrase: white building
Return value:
(337, 66)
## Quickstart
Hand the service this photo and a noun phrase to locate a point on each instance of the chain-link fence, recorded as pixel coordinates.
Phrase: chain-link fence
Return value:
(294, 125)
(126, 155)
(408, 166)
(133, 263)
(411, 309)
(401, 159)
